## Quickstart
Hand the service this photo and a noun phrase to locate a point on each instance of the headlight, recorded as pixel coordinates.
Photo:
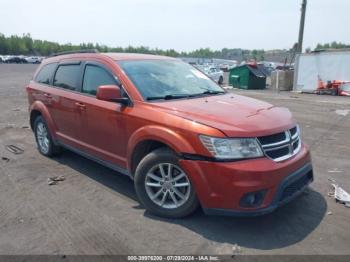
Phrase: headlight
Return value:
(232, 148)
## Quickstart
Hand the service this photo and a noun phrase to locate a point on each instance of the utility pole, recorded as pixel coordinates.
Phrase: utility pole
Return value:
(301, 27)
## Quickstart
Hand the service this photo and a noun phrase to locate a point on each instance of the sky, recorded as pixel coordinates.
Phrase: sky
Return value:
(178, 24)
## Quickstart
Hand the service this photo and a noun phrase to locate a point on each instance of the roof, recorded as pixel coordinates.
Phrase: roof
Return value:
(134, 56)
(114, 56)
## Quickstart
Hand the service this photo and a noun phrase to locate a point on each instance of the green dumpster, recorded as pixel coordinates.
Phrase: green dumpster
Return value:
(247, 77)
(235, 81)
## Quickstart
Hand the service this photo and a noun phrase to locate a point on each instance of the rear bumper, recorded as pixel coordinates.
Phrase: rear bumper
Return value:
(220, 187)
(297, 181)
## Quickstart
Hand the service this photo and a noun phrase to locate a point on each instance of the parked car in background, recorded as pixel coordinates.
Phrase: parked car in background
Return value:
(284, 67)
(183, 140)
(269, 64)
(33, 59)
(215, 74)
(266, 69)
(4, 58)
(199, 67)
(225, 67)
(16, 60)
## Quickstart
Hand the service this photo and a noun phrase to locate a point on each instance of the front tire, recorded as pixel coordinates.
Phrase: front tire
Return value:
(43, 138)
(163, 187)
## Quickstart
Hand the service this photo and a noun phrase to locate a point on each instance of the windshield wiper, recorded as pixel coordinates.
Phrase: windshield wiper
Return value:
(168, 97)
(208, 92)
(178, 96)
(212, 92)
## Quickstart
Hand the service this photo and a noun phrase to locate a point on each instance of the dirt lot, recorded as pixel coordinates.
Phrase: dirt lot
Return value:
(95, 210)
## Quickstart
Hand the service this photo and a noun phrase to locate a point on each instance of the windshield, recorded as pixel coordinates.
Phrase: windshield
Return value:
(168, 79)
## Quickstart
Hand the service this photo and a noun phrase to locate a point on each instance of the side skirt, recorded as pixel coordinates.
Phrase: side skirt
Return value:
(97, 160)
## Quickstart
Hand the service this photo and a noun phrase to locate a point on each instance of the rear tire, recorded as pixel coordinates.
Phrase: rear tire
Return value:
(43, 138)
(163, 187)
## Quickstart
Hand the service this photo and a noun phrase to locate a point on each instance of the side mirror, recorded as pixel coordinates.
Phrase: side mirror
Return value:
(111, 93)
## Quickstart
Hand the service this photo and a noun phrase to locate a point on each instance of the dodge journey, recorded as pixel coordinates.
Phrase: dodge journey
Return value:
(183, 140)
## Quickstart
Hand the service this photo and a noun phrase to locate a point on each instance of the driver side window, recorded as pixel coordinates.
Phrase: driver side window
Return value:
(95, 76)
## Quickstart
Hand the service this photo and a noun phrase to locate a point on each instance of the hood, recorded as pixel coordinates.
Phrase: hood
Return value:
(234, 115)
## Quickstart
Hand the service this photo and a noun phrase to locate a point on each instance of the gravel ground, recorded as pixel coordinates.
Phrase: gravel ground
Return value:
(95, 210)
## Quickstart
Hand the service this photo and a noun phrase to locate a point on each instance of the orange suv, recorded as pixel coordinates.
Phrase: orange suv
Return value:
(183, 140)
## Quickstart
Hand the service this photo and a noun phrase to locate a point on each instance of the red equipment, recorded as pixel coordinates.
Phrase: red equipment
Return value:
(330, 88)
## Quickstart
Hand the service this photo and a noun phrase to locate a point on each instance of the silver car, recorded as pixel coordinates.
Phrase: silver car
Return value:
(214, 73)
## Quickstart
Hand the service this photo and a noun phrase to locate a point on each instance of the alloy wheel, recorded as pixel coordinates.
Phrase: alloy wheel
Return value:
(167, 185)
(42, 136)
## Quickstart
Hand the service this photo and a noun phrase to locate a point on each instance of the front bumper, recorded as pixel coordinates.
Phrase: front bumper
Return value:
(292, 186)
(220, 186)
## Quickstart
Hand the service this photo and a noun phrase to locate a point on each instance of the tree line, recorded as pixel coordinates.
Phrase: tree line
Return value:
(333, 45)
(25, 45)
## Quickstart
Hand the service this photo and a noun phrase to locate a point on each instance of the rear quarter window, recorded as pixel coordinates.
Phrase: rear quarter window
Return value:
(67, 77)
(45, 74)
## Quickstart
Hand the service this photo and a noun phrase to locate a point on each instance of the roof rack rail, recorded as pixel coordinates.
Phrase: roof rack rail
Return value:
(75, 52)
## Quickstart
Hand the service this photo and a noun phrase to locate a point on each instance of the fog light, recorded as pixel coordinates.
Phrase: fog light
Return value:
(253, 199)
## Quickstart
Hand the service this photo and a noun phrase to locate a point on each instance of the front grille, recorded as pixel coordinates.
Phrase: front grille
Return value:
(281, 146)
(272, 138)
(296, 186)
(293, 131)
(279, 152)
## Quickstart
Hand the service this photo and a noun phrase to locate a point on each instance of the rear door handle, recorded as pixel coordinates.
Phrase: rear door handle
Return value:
(81, 105)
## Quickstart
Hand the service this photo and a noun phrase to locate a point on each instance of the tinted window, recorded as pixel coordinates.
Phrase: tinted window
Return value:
(94, 77)
(67, 76)
(45, 74)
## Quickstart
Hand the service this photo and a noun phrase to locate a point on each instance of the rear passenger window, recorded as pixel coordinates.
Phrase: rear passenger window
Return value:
(94, 77)
(67, 76)
(45, 74)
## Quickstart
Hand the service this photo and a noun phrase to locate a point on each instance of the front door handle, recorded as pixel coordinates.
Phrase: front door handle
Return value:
(81, 105)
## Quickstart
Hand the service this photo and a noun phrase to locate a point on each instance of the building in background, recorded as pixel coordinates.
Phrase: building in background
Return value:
(330, 65)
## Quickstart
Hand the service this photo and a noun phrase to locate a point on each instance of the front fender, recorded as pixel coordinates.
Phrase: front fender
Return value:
(40, 107)
(158, 133)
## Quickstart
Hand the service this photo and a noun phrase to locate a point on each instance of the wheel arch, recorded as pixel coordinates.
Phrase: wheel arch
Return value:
(149, 138)
(33, 115)
(39, 109)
